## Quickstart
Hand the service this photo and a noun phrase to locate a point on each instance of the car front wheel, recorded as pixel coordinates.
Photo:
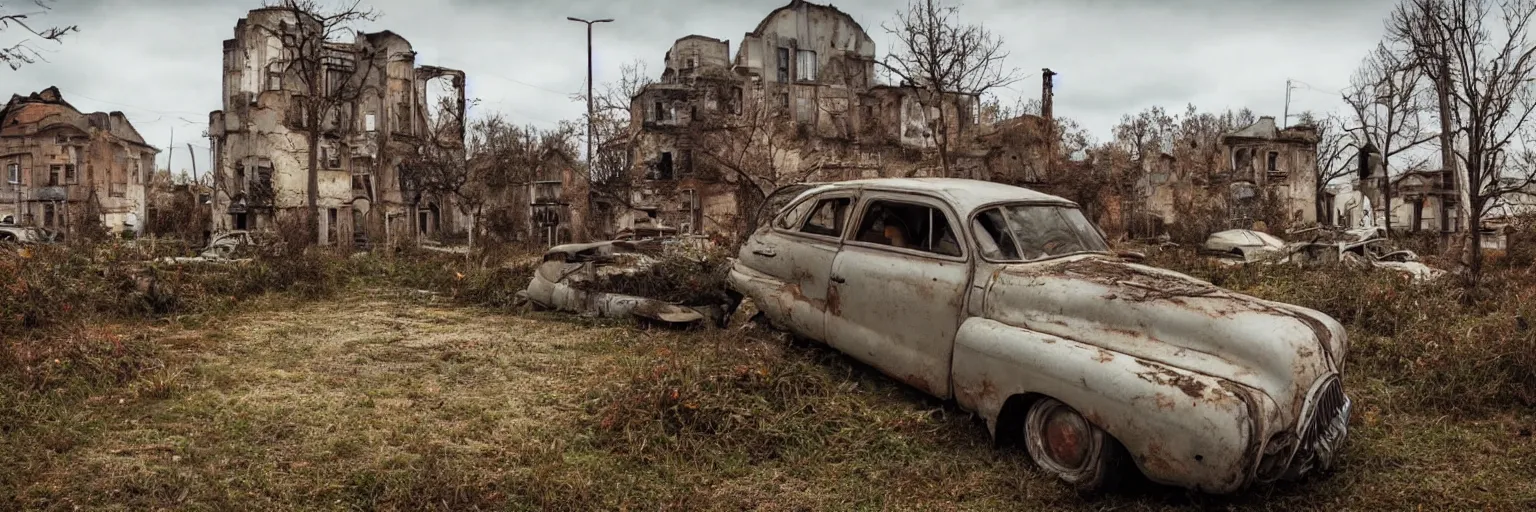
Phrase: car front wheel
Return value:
(1067, 445)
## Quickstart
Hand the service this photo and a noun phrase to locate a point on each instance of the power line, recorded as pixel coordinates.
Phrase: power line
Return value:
(141, 109)
(519, 82)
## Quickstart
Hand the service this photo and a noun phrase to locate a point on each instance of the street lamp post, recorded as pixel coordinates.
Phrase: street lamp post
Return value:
(589, 84)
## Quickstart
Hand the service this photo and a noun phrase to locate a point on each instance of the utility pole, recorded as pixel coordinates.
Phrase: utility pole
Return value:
(1286, 113)
(578, 221)
(170, 152)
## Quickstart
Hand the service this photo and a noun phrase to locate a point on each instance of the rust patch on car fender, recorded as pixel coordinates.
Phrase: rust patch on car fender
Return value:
(1155, 459)
(917, 381)
(1104, 356)
(1164, 402)
(1164, 376)
(834, 302)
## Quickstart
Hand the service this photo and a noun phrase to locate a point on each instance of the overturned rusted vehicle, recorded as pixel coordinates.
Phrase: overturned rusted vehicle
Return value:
(575, 278)
(1009, 302)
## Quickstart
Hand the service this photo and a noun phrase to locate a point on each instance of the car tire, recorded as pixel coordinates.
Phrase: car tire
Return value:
(1065, 444)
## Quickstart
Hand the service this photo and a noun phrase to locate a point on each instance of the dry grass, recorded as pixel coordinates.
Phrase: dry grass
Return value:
(390, 400)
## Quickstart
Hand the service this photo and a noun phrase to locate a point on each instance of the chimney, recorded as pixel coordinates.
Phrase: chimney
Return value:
(1045, 93)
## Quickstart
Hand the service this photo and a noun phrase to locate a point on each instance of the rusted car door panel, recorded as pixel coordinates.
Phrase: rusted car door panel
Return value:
(799, 265)
(1184, 428)
(898, 313)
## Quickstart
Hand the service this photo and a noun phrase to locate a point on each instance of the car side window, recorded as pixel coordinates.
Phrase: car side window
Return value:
(795, 216)
(992, 235)
(829, 217)
(908, 226)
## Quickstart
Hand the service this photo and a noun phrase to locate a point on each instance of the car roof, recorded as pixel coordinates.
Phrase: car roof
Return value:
(965, 195)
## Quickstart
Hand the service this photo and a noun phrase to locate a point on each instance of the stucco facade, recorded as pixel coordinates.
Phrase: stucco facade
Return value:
(261, 138)
(62, 167)
(1268, 173)
(801, 90)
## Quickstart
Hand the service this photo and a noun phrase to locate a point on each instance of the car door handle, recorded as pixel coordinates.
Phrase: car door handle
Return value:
(765, 252)
(838, 279)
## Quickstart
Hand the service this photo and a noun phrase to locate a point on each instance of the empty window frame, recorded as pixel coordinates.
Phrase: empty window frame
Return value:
(909, 226)
(829, 217)
(783, 65)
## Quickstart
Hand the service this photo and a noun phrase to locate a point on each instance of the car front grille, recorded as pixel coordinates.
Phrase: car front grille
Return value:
(1327, 403)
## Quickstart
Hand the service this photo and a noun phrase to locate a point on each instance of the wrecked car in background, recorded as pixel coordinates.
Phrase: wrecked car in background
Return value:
(591, 279)
(1358, 247)
(1009, 302)
(27, 235)
(226, 247)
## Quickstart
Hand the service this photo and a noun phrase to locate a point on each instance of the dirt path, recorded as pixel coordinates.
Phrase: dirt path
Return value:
(388, 400)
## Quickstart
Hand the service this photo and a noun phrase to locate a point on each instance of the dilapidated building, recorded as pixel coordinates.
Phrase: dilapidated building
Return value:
(798, 102)
(378, 114)
(1268, 174)
(64, 168)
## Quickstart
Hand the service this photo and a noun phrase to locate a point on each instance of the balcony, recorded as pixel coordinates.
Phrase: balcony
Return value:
(52, 193)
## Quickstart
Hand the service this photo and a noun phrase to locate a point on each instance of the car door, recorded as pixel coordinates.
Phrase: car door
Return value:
(797, 253)
(898, 288)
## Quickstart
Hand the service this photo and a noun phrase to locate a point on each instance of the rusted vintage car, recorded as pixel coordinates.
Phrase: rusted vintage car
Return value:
(1009, 302)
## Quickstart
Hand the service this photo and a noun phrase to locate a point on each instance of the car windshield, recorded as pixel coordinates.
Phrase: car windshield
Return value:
(1031, 232)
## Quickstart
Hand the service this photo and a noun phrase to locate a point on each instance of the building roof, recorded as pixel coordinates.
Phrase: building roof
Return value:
(798, 3)
(966, 195)
(1265, 129)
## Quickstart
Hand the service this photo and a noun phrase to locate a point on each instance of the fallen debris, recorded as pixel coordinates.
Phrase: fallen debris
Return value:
(660, 280)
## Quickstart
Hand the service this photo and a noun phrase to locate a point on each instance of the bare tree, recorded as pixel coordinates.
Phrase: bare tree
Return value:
(1142, 136)
(1335, 147)
(941, 58)
(22, 52)
(1488, 60)
(1384, 102)
(442, 167)
(613, 131)
(328, 76)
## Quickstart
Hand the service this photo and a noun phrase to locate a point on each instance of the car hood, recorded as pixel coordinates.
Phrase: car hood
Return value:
(1171, 318)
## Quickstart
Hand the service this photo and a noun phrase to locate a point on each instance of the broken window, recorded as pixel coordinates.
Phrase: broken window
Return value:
(54, 172)
(13, 173)
(1241, 159)
(664, 166)
(829, 217)
(796, 216)
(240, 180)
(274, 77)
(1272, 164)
(369, 122)
(783, 65)
(70, 176)
(332, 228)
(61, 139)
(736, 102)
(330, 157)
(48, 215)
(239, 220)
(264, 178)
(909, 226)
(992, 236)
(691, 62)
(784, 102)
(805, 66)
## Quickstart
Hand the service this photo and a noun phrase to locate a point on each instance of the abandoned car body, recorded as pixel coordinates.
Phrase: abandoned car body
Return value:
(1008, 301)
(564, 280)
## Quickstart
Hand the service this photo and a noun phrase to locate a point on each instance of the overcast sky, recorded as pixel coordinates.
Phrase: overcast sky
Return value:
(159, 60)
